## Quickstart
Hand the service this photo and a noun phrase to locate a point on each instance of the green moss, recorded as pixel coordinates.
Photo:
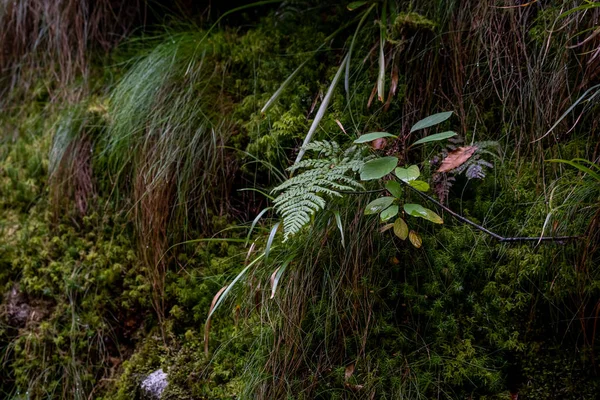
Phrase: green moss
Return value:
(411, 22)
(463, 317)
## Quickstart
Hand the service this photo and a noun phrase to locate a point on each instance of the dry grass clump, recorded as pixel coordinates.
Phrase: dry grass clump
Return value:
(50, 40)
(170, 120)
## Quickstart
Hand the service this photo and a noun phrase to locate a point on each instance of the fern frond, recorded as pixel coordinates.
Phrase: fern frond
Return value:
(331, 171)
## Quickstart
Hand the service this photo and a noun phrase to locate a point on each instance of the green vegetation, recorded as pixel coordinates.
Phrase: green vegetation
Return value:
(299, 200)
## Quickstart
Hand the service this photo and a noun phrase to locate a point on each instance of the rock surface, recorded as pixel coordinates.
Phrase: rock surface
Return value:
(16, 308)
(154, 384)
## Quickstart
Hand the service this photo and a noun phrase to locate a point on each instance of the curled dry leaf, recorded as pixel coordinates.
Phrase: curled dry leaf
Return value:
(337, 121)
(372, 96)
(415, 239)
(457, 158)
(386, 227)
(393, 86)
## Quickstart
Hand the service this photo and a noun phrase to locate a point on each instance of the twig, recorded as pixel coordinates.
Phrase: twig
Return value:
(477, 226)
(482, 229)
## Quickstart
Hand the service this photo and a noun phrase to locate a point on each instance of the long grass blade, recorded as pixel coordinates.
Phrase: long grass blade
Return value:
(276, 276)
(255, 221)
(290, 78)
(338, 222)
(579, 100)
(232, 284)
(580, 8)
(322, 109)
(283, 86)
(583, 160)
(270, 240)
(580, 167)
(347, 78)
(267, 195)
(241, 8)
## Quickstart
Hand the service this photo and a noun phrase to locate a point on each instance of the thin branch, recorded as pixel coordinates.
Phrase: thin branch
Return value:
(492, 234)
(477, 226)
(363, 191)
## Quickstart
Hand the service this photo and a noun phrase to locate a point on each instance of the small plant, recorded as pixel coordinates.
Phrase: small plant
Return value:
(301, 196)
(459, 159)
(388, 207)
(328, 174)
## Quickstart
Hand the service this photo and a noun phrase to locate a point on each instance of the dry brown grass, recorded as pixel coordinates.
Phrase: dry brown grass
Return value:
(44, 41)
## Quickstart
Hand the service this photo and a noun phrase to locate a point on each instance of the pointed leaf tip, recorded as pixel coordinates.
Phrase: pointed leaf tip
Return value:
(356, 4)
(431, 121)
(435, 138)
(369, 137)
(389, 212)
(417, 210)
(394, 188)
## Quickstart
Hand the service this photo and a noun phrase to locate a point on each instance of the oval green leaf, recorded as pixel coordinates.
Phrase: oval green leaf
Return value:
(394, 188)
(401, 229)
(419, 185)
(408, 174)
(378, 168)
(369, 137)
(389, 212)
(436, 137)
(433, 217)
(417, 210)
(378, 205)
(431, 121)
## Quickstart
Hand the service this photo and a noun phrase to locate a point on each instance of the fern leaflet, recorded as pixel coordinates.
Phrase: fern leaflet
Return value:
(329, 173)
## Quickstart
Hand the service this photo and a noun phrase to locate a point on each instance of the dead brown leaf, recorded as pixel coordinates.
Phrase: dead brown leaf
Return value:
(373, 93)
(379, 144)
(337, 121)
(393, 86)
(273, 285)
(207, 325)
(457, 158)
(349, 371)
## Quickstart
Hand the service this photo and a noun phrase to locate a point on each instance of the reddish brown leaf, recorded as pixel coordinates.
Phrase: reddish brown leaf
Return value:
(207, 326)
(337, 121)
(373, 93)
(393, 87)
(457, 158)
(379, 144)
